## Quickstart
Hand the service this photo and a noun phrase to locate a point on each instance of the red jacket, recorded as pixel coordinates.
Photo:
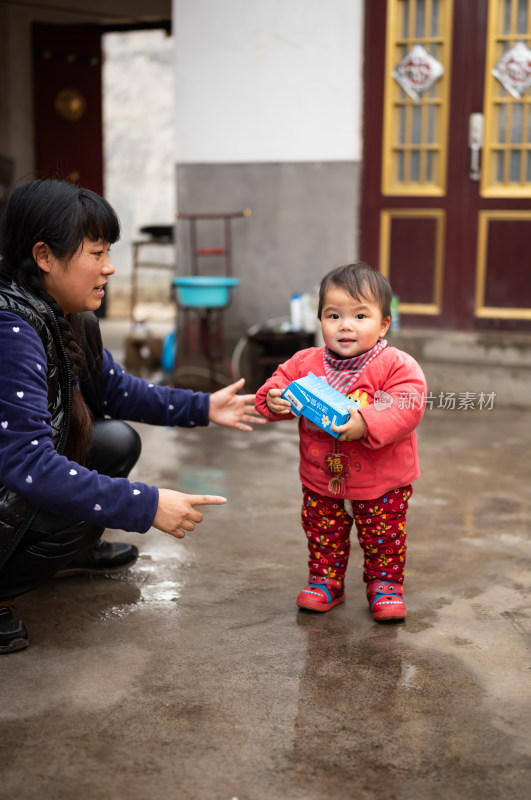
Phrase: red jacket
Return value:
(386, 457)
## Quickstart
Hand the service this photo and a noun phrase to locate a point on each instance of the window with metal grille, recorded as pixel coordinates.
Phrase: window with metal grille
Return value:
(416, 97)
(507, 148)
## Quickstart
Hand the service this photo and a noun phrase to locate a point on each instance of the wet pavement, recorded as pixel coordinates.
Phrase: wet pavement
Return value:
(193, 676)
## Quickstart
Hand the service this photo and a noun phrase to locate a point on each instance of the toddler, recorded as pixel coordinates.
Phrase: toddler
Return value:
(365, 475)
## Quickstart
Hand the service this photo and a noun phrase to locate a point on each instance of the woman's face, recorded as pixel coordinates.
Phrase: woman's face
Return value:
(78, 284)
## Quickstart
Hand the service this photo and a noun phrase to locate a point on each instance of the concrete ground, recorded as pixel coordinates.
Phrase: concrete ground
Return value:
(194, 677)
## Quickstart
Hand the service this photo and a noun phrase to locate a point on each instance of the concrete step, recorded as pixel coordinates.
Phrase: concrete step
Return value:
(477, 363)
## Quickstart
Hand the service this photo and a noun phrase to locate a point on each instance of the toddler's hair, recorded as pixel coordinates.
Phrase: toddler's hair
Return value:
(360, 281)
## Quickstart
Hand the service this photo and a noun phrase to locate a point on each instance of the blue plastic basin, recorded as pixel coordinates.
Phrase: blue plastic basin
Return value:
(204, 291)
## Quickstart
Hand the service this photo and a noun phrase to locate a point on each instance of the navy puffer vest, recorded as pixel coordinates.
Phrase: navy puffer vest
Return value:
(16, 514)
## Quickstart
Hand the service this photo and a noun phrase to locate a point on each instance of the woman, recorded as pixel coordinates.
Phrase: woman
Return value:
(64, 452)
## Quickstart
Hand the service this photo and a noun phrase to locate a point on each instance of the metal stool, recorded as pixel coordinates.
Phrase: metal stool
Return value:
(202, 299)
(158, 236)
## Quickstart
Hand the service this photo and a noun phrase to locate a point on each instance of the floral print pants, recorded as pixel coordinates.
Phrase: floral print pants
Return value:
(381, 527)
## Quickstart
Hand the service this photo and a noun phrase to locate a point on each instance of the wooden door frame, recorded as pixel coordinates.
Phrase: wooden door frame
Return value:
(468, 35)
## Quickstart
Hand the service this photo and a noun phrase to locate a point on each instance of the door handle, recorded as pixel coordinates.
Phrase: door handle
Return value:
(475, 142)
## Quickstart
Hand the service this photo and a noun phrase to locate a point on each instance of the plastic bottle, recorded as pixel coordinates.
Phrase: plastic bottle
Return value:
(308, 313)
(296, 312)
(395, 314)
(140, 331)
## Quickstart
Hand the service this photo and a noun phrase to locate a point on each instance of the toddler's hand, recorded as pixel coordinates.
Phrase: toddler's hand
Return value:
(276, 404)
(353, 429)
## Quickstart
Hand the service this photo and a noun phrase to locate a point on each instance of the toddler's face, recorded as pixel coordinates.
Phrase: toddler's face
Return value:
(351, 327)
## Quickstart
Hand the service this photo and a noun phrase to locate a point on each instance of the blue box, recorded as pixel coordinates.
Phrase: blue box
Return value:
(318, 402)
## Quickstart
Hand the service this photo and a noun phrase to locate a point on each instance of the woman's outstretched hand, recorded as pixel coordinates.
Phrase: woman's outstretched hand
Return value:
(176, 512)
(234, 410)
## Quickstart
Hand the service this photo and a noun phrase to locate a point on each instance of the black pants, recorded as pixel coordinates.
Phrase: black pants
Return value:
(53, 541)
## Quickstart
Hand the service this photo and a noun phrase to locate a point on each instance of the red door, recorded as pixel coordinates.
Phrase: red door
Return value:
(68, 107)
(446, 186)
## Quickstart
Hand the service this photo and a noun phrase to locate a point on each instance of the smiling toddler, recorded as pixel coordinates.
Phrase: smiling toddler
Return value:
(364, 476)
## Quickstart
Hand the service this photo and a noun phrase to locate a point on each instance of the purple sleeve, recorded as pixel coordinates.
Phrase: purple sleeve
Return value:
(131, 398)
(29, 463)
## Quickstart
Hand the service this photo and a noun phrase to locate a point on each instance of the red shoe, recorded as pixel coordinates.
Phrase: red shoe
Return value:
(386, 601)
(320, 597)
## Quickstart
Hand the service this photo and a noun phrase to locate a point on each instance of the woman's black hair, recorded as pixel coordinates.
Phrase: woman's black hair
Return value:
(60, 214)
(360, 281)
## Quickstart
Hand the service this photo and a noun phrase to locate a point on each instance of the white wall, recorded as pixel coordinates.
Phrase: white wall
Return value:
(139, 142)
(268, 80)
